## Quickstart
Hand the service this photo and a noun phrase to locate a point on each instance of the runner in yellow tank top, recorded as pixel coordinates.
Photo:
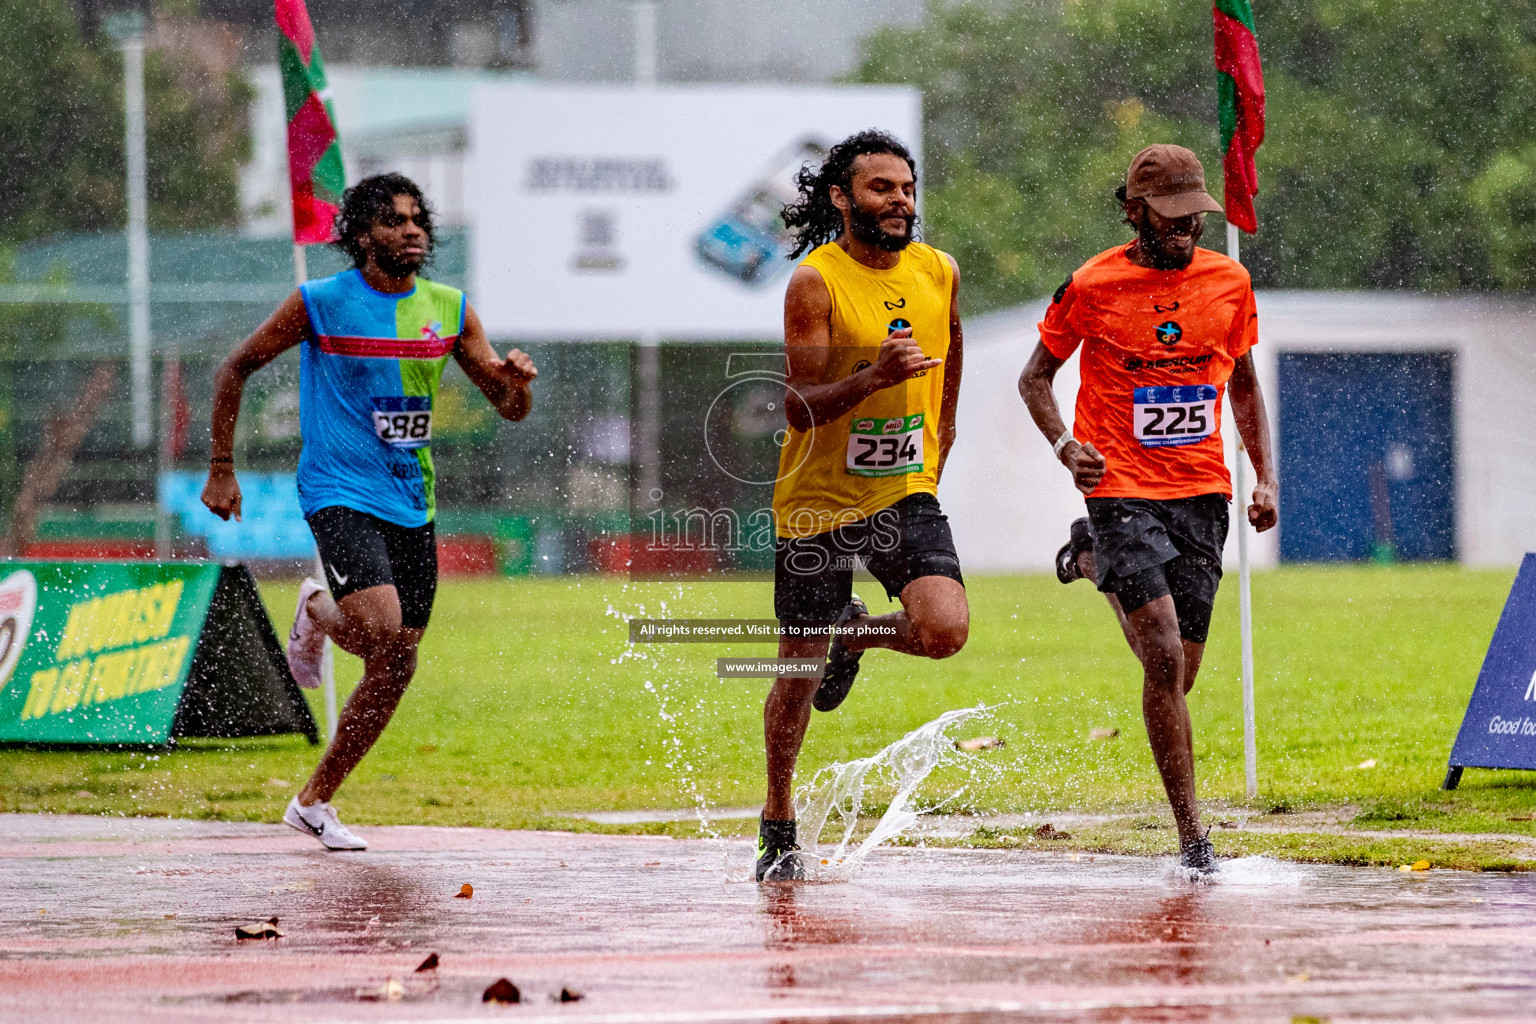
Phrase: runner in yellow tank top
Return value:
(873, 344)
(888, 445)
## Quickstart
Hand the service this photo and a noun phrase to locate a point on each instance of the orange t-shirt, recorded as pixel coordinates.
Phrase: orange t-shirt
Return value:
(1158, 350)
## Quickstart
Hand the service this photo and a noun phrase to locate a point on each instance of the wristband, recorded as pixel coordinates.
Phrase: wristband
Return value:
(1061, 442)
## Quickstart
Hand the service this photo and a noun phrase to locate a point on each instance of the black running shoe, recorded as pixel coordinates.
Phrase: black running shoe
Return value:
(778, 854)
(1200, 856)
(842, 664)
(1081, 539)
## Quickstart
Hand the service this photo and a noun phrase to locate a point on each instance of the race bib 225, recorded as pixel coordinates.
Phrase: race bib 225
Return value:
(1174, 415)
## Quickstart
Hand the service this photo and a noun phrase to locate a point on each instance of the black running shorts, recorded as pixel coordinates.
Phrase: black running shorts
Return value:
(813, 576)
(362, 551)
(1145, 549)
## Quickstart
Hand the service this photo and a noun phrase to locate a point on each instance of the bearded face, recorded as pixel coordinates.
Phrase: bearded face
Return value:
(882, 201)
(882, 227)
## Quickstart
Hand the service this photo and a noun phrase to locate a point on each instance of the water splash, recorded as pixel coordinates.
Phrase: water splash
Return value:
(1261, 872)
(839, 789)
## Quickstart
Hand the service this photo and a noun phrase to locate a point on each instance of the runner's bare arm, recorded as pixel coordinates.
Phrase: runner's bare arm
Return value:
(1253, 427)
(807, 339)
(1084, 460)
(954, 361)
(282, 330)
(503, 381)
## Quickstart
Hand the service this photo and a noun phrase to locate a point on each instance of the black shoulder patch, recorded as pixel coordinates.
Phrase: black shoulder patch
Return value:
(1062, 290)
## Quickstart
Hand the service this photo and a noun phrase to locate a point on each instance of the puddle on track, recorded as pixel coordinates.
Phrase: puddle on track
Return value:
(647, 929)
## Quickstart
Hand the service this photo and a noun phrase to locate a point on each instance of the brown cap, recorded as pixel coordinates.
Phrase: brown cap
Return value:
(1171, 180)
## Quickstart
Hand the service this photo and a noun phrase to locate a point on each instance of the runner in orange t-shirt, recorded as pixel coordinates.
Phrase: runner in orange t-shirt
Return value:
(1164, 329)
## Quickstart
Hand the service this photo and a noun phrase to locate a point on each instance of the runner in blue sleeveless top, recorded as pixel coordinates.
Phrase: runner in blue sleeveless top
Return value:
(375, 340)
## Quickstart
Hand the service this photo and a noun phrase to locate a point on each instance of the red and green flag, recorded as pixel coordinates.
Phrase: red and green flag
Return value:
(315, 174)
(1240, 95)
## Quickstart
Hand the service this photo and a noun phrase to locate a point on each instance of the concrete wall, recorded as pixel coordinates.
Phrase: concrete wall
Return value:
(1010, 502)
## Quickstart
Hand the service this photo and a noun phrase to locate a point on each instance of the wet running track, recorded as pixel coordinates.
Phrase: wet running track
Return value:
(119, 922)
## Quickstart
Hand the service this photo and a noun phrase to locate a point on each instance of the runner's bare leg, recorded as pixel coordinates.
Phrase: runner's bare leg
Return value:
(367, 624)
(786, 715)
(934, 622)
(1165, 711)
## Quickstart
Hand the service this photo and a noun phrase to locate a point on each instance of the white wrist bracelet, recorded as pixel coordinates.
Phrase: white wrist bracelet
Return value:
(1061, 442)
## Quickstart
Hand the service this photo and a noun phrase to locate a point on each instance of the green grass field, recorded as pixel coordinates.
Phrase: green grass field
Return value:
(529, 703)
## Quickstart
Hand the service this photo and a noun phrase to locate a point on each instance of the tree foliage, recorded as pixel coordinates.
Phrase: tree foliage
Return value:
(1401, 149)
(62, 130)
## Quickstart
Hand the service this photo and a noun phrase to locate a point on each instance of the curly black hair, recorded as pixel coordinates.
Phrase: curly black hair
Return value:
(813, 219)
(363, 203)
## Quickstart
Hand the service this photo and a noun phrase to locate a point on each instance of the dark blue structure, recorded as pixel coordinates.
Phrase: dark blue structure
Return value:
(1367, 456)
(1499, 730)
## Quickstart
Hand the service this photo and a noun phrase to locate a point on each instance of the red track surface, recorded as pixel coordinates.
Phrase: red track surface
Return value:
(650, 930)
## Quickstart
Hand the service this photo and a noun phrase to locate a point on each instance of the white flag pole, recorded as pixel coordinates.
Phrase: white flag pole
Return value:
(328, 656)
(1244, 594)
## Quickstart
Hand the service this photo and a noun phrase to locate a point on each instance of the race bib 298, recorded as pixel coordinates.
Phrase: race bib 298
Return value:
(1174, 415)
(403, 421)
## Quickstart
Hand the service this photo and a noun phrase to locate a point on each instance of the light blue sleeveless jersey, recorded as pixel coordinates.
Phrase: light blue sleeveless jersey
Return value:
(368, 376)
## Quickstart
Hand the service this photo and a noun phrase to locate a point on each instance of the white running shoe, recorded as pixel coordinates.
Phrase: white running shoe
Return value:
(320, 821)
(306, 640)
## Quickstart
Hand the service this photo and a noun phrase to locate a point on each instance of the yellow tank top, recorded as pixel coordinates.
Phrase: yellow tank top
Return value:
(887, 446)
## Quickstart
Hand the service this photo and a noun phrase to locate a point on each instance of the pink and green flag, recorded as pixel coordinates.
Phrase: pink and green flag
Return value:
(1240, 95)
(315, 174)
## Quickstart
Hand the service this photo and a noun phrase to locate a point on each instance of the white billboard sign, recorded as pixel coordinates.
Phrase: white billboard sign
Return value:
(624, 213)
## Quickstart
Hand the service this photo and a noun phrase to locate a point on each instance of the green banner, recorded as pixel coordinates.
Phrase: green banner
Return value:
(121, 652)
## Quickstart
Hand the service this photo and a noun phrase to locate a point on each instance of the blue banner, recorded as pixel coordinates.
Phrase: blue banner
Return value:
(1499, 730)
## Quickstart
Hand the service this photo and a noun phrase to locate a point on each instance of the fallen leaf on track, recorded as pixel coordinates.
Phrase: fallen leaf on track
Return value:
(391, 991)
(1049, 831)
(261, 930)
(570, 995)
(429, 964)
(979, 743)
(466, 892)
(502, 991)
(1103, 734)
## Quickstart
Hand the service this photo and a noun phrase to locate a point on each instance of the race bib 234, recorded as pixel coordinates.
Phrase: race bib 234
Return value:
(886, 446)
